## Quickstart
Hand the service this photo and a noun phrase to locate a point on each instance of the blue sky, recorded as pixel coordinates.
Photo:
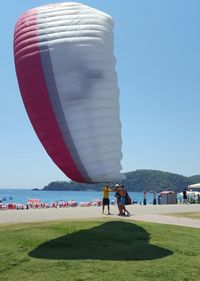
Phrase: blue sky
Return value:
(157, 48)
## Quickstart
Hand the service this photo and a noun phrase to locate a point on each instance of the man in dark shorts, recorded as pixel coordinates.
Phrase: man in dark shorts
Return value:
(106, 201)
(185, 196)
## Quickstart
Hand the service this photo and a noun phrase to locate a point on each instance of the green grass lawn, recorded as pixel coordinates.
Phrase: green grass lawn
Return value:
(191, 215)
(99, 250)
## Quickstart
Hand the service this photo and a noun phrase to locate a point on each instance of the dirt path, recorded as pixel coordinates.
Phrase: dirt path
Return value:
(149, 213)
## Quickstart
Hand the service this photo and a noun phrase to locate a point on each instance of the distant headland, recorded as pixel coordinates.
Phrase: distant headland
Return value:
(139, 180)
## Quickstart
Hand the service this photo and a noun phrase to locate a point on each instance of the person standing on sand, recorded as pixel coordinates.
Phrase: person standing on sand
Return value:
(123, 210)
(106, 201)
(184, 196)
(118, 197)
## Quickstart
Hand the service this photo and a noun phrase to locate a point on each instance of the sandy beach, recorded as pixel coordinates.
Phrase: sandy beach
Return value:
(148, 213)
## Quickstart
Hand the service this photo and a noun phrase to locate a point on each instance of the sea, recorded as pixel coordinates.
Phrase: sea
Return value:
(22, 195)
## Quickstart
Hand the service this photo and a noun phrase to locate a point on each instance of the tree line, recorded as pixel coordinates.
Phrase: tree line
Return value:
(139, 180)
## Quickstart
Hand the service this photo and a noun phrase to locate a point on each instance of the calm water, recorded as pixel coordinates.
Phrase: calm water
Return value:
(22, 195)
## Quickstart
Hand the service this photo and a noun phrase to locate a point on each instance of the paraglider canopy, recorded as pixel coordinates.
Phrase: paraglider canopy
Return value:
(66, 73)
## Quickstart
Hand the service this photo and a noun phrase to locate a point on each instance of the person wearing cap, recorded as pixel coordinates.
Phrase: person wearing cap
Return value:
(106, 201)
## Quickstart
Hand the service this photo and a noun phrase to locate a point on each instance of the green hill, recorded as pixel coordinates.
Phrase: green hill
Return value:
(139, 180)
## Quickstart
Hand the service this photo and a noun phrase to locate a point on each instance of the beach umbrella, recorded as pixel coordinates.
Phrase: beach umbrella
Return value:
(66, 73)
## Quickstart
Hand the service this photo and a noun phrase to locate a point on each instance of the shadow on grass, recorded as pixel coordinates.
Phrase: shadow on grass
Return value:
(108, 241)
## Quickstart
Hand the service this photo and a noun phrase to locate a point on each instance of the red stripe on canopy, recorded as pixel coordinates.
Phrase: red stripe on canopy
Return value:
(36, 99)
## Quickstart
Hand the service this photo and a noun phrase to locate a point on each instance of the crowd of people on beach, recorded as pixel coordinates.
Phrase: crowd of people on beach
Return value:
(122, 199)
(37, 204)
